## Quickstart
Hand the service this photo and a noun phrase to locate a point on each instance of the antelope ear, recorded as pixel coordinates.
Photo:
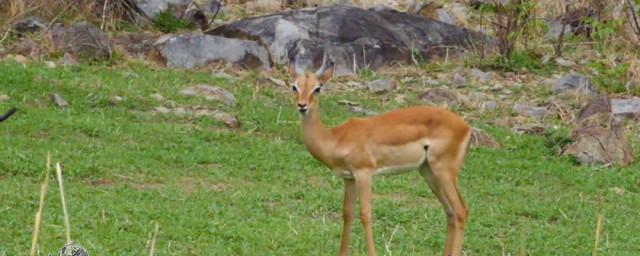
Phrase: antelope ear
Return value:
(327, 73)
(291, 67)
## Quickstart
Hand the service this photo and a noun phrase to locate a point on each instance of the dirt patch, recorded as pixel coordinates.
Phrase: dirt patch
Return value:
(101, 182)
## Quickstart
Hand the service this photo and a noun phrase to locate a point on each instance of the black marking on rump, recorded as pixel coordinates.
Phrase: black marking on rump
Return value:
(426, 148)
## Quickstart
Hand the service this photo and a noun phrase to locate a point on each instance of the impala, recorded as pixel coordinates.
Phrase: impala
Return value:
(430, 139)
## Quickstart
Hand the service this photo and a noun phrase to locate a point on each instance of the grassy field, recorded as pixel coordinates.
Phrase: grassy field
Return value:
(254, 190)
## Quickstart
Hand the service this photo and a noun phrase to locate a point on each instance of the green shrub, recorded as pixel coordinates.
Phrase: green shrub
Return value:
(167, 22)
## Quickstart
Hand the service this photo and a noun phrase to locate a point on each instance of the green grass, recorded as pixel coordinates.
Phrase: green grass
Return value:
(255, 190)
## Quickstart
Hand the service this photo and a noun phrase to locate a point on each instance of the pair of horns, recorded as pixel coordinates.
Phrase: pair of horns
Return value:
(299, 70)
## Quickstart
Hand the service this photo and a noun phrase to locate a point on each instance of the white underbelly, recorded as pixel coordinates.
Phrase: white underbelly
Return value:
(400, 169)
(387, 170)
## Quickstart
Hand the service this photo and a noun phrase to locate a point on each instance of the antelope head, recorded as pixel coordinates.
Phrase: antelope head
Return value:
(306, 85)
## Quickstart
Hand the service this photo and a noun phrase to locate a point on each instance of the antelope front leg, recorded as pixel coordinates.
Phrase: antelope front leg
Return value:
(363, 185)
(348, 208)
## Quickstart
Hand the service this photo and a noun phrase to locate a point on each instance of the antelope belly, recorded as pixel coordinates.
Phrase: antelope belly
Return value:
(398, 169)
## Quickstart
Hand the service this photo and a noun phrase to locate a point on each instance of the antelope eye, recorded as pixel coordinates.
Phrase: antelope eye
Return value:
(317, 90)
(294, 88)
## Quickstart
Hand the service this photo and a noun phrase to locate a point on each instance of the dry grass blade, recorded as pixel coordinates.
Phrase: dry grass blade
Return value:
(153, 241)
(598, 228)
(43, 192)
(64, 204)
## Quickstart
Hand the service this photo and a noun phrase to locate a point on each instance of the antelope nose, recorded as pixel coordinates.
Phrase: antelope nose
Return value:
(303, 105)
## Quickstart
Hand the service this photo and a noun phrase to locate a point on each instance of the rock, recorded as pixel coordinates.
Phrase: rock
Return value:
(480, 138)
(489, 104)
(179, 111)
(20, 59)
(382, 85)
(163, 110)
(599, 137)
(528, 128)
(354, 84)
(555, 29)
(115, 99)
(457, 13)
(25, 46)
(229, 120)
(565, 63)
(83, 39)
(479, 96)
(58, 100)
(277, 82)
(527, 109)
(4, 97)
(517, 86)
(187, 51)
(153, 7)
(352, 37)
(354, 107)
(28, 24)
(69, 59)
(135, 44)
(599, 104)
(444, 16)
(439, 95)
(573, 82)
(458, 81)
(50, 64)
(157, 97)
(211, 93)
(625, 106)
(480, 75)
(431, 82)
(549, 82)
(346, 102)
(196, 12)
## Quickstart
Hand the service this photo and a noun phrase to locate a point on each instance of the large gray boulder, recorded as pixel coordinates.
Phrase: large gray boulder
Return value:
(187, 51)
(354, 38)
(153, 7)
(573, 82)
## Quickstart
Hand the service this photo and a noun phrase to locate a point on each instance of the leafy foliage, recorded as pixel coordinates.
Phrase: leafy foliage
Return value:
(167, 22)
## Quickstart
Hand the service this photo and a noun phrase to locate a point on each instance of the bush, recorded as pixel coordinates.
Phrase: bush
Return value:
(167, 22)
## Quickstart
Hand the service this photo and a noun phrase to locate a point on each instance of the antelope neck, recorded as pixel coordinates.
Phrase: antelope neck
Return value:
(317, 138)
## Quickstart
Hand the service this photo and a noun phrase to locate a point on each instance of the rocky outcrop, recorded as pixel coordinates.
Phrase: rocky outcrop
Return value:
(187, 51)
(354, 38)
(83, 39)
(599, 136)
